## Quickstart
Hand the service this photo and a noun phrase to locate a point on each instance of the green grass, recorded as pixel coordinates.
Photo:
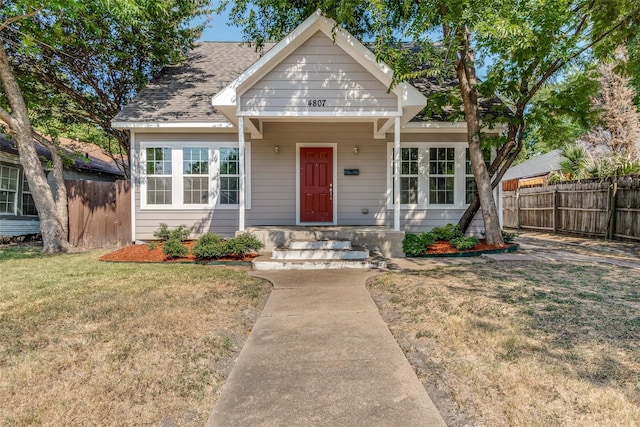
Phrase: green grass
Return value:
(84, 342)
(534, 344)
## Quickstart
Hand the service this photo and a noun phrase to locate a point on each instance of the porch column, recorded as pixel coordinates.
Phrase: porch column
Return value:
(396, 174)
(242, 173)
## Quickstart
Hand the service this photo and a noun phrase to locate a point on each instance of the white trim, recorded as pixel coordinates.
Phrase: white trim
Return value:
(396, 176)
(177, 176)
(133, 177)
(241, 167)
(334, 156)
(172, 125)
(449, 127)
(317, 114)
(227, 101)
(423, 176)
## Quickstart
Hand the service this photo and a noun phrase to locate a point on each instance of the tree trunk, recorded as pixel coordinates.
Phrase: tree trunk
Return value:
(465, 71)
(52, 227)
(499, 166)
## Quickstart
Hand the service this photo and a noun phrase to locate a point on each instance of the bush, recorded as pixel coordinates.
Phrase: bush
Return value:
(180, 233)
(210, 246)
(508, 236)
(448, 232)
(416, 244)
(174, 248)
(243, 243)
(152, 245)
(462, 243)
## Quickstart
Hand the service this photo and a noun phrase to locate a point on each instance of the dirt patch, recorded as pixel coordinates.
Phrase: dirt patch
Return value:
(146, 253)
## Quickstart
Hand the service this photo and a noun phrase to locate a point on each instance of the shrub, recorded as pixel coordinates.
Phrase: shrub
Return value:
(416, 244)
(212, 246)
(508, 236)
(174, 248)
(243, 243)
(180, 233)
(152, 245)
(462, 243)
(209, 246)
(448, 232)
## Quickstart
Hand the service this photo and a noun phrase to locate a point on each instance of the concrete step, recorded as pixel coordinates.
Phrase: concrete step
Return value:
(266, 262)
(320, 244)
(320, 254)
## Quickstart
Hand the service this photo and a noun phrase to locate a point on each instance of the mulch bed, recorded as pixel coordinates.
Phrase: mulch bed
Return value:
(444, 248)
(142, 253)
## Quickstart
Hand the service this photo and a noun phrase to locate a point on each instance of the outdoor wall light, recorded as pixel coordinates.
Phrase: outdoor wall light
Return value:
(356, 149)
(276, 149)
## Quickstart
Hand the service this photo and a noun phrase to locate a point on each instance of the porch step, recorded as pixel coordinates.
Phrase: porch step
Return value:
(318, 254)
(320, 244)
(266, 262)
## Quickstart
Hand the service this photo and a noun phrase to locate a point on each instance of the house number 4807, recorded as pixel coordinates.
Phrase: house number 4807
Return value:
(316, 102)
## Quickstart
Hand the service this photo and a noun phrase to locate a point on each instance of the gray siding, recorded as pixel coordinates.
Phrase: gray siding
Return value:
(273, 181)
(222, 221)
(318, 70)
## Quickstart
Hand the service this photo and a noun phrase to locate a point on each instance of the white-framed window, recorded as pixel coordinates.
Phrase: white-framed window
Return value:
(8, 190)
(442, 175)
(191, 175)
(431, 175)
(28, 204)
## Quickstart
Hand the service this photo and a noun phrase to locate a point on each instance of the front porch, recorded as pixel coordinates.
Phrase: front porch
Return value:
(375, 238)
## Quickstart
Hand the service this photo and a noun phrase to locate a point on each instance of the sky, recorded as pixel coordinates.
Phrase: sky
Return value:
(217, 29)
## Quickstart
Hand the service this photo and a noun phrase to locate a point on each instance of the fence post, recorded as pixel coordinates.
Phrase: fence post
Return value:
(518, 207)
(555, 210)
(612, 202)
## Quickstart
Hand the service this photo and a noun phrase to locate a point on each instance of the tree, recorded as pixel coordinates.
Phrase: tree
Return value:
(529, 43)
(619, 130)
(86, 62)
(96, 54)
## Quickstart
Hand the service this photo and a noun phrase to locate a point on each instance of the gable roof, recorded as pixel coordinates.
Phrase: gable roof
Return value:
(86, 157)
(182, 93)
(536, 166)
(186, 95)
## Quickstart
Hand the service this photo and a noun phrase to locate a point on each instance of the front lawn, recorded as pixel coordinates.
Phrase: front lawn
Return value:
(90, 343)
(536, 344)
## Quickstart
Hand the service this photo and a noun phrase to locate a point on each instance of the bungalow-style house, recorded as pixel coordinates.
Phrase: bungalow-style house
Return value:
(18, 214)
(307, 134)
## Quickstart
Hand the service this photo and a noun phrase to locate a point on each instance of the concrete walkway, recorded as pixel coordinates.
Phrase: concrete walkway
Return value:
(320, 354)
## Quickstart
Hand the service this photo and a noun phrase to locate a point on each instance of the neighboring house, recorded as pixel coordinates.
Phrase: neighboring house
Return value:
(303, 135)
(18, 214)
(532, 172)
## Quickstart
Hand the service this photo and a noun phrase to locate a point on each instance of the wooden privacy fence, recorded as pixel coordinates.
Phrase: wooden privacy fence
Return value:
(605, 208)
(99, 213)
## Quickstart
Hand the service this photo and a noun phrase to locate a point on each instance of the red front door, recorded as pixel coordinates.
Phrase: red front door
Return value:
(316, 184)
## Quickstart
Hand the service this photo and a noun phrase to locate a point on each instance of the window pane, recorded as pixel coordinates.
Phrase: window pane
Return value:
(158, 161)
(229, 179)
(441, 190)
(8, 189)
(196, 190)
(159, 191)
(470, 189)
(195, 160)
(28, 205)
(408, 190)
